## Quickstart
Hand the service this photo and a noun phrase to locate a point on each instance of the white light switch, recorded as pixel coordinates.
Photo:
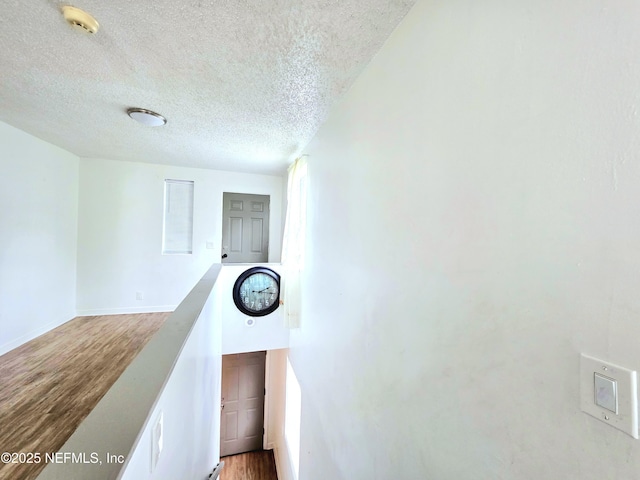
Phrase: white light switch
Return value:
(608, 393)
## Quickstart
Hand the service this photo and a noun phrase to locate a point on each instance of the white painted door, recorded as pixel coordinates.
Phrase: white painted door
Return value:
(245, 228)
(242, 409)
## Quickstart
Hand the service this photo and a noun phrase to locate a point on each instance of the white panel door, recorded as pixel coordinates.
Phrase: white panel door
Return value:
(245, 228)
(242, 409)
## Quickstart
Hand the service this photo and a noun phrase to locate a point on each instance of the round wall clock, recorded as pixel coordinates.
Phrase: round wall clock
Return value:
(257, 291)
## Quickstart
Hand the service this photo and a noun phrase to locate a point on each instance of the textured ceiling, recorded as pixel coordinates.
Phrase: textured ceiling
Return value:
(243, 84)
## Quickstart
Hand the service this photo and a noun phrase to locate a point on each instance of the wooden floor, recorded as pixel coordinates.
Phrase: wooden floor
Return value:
(50, 384)
(250, 466)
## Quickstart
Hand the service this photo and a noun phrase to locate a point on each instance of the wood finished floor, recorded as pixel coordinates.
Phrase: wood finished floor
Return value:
(50, 384)
(249, 466)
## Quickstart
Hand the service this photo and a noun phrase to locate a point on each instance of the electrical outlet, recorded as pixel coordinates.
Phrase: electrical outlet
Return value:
(139, 296)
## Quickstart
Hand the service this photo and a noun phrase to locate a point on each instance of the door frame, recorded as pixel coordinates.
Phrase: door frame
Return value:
(272, 398)
(264, 403)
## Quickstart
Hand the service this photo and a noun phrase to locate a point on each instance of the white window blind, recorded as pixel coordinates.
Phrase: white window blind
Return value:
(177, 234)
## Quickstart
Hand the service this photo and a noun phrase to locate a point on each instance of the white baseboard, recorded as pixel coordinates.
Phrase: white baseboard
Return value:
(125, 310)
(30, 336)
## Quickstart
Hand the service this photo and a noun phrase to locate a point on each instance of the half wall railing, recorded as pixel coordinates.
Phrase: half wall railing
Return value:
(167, 400)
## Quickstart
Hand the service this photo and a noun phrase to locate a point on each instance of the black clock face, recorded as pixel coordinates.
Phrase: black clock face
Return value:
(257, 291)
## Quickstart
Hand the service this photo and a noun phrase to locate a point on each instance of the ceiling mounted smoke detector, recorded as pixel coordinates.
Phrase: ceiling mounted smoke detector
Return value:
(146, 117)
(80, 19)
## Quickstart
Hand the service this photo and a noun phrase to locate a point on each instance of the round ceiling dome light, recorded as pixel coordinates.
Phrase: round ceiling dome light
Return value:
(79, 19)
(146, 117)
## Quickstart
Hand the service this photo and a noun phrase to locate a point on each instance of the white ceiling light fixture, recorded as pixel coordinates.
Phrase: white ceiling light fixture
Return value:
(79, 19)
(146, 117)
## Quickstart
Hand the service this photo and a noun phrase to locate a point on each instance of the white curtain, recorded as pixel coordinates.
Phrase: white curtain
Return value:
(294, 241)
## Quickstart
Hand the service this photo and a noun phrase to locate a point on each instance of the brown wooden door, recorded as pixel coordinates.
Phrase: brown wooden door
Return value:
(242, 409)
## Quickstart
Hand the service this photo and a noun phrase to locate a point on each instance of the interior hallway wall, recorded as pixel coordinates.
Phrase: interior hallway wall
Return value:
(474, 224)
(120, 232)
(265, 333)
(275, 411)
(39, 219)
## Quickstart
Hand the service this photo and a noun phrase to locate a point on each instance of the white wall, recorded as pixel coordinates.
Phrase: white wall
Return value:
(39, 217)
(120, 233)
(275, 383)
(267, 333)
(278, 394)
(474, 225)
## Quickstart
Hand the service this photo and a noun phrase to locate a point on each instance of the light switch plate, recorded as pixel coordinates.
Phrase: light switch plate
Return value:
(616, 390)
(157, 441)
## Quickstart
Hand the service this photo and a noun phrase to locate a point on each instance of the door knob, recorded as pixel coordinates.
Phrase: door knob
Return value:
(225, 255)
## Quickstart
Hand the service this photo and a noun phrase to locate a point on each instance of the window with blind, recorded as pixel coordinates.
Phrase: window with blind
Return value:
(177, 232)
